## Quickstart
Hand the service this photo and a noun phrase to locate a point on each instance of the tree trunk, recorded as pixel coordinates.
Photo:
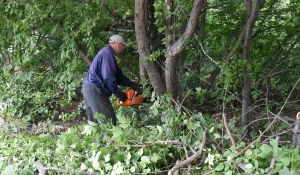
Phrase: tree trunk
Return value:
(144, 48)
(202, 21)
(252, 15)
(174, 49)
(296, 131)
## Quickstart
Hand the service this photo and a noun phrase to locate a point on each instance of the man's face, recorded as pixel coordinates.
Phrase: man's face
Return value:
(120, 48)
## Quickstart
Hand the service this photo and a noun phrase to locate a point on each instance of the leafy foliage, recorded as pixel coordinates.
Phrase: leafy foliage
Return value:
(41, 75)
(131, 148)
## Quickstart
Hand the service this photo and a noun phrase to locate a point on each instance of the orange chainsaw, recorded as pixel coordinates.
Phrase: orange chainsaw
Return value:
(134, 98)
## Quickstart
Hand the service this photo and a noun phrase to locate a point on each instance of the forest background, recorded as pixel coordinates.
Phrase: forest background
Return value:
(223, 78)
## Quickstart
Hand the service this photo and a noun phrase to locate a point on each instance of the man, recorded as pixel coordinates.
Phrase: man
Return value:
(102, 80)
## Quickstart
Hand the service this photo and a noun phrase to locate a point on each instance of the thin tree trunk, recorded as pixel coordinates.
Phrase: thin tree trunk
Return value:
(252, 15)
(144, 48)
(174, 49)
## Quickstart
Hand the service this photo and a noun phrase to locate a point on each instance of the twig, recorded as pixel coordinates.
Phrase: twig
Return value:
(145, 144)
(190, 159)
(209, 56)
(227, 128)
(273, 159)
(277, 116)
(280, 118)
(278, 134)
(187, 156)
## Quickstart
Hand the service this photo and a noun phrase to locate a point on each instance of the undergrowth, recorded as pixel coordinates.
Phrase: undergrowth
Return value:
(135, 148)
(151, 139)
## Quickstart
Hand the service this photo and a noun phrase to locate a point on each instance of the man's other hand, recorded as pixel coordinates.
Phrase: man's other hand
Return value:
(123, 97)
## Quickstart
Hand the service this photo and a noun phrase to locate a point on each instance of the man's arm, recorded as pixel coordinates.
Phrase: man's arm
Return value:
(109, 72)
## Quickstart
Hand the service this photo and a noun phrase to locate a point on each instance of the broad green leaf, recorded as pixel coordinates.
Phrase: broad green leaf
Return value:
(220, 167)
(285, 171)
(132, 169)
(286, 161)
(229, 172)
(118, 134)
(117, 168)
(95, 160)
(159, 128)
(145, 159)
(96, 165)
(155, 158)
(135, 157)
(10, 169)
(124, 122)
(107, 158)
(248, 152)
(108, 167)
(249, 167)
(140, 152)
(211, 129)
(266, 150)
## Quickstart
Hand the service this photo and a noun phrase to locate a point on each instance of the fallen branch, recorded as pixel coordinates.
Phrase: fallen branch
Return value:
(187, 156)
(145, 144)
(43, 170)
(227, 128)
(190, 159)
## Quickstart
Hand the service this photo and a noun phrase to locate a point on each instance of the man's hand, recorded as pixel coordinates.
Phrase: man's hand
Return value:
(123, 97)
(137, 87)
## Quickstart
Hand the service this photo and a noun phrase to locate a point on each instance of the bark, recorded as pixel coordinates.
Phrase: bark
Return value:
(296, 131)
(83, 54)
(144, 48)
(252, 15)
(174, 49)
(202, 21)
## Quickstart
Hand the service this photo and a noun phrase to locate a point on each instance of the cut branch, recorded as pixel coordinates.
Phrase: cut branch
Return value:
(43, 170)
(190, 159)
(173, 142)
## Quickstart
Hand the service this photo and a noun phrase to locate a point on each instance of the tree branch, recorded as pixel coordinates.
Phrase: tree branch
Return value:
(145, 144)
(43, 170)
(190, 159)
(270, 125)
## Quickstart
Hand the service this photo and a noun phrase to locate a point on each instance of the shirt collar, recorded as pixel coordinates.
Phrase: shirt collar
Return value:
(110, 48)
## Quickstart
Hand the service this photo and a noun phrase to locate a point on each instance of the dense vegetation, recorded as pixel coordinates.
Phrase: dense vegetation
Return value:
(45, 50)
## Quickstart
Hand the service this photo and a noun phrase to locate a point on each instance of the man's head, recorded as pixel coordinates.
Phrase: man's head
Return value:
(117, 42)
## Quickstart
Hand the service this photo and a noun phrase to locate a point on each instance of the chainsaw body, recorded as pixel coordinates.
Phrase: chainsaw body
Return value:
(134, 98)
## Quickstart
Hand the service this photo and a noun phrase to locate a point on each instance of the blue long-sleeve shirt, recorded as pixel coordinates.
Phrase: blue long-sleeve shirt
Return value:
(104, 72)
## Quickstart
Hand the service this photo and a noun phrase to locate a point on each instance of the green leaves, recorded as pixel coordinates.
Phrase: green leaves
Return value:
(95, 160)
(118, 135)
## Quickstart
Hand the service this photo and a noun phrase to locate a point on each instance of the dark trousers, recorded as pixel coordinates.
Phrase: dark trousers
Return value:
(96, 100)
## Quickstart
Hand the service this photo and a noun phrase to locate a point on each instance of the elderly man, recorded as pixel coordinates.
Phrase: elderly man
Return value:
(102, 80)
